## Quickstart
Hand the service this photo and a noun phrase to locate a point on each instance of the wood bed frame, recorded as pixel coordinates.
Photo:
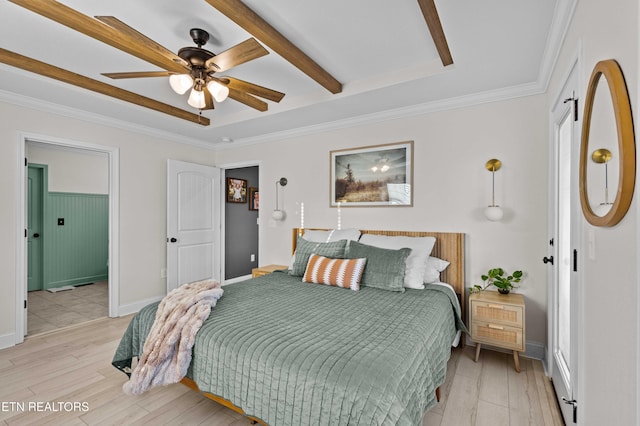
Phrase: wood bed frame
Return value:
(449, 246)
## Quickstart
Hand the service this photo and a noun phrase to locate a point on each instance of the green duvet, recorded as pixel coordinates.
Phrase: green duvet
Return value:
(294, 353)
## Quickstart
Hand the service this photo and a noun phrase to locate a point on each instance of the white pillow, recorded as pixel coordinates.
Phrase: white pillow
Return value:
(433, 269)
(416, 262)
(331, 235)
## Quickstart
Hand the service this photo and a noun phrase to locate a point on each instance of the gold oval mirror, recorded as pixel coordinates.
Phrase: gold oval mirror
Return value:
(600, 156)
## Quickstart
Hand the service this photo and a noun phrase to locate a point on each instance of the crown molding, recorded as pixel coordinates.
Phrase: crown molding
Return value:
(52, 108)
(562, 16)
(528, 89)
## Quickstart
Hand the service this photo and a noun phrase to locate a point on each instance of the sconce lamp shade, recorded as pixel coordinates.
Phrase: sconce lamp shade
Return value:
(493, 213)
(277, 213)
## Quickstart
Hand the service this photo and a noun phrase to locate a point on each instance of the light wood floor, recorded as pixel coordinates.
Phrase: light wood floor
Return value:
(51, 311)
(73, 365)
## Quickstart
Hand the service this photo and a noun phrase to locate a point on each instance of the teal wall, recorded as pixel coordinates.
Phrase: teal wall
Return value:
(76, 252)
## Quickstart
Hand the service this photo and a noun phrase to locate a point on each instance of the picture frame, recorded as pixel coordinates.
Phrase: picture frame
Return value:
(254, 199)
(372, 176)
(236, 190)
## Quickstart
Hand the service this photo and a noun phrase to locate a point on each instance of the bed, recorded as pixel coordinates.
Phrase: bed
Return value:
(286, 352)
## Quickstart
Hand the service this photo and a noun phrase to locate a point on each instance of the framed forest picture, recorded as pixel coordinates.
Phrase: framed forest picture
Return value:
(378, 175)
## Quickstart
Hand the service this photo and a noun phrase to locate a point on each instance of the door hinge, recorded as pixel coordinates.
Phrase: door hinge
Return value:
(25, 303)
(26, 163)
(575, 105)
(25, 233)
(573, 404)
(575, 260)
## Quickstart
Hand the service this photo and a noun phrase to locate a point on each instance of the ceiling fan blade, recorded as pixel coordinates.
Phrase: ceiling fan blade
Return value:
(246, 18)
(41, 68)
(247, 99)
(254, 89)
(246, 51)
(119, 75)
(93, 28)
(430, 14)
(208, 99)
(114, 22)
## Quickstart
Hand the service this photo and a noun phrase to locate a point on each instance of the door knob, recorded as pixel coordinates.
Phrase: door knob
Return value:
(36, 235)
(173, 240)
(548, 260)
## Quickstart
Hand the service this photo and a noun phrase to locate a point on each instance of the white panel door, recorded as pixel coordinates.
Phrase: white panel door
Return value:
(565, 278)
(193, 223)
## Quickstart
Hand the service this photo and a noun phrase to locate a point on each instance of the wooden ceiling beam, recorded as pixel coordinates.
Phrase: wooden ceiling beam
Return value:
(246, 18)
(41, 68)
(91, 27)
(430, 14)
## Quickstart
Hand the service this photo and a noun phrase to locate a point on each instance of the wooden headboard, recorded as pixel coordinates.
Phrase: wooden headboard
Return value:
(449, 246)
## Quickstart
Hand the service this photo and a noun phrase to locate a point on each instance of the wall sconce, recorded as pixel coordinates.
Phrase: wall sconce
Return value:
(494, 213)
(602, 156)
(277, 213)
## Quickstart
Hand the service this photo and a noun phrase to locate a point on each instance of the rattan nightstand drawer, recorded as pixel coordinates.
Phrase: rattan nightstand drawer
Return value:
(498, 335)
(497, 313)
(498, 320)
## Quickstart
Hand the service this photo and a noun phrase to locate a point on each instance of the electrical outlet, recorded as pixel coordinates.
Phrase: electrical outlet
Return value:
(253, 257)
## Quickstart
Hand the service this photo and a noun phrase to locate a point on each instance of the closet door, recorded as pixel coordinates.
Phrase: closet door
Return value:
(193, 223)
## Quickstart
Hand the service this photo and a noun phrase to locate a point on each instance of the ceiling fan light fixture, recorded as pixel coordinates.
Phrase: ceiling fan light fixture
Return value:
(218, 91)
(180, 83)
(196, 99)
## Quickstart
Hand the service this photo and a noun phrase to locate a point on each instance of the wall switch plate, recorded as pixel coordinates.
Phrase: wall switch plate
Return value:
(253, 257)
(163, 273)
(61, 221)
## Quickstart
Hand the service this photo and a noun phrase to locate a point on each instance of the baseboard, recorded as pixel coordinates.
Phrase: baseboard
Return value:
(132, 308)
(76, 281)
(236, 280)
(533, 350)
(7, 340)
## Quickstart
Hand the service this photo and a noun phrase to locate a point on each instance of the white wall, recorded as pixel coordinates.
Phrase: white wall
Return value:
(71, 170)
(607, 391)
(452, 187)
(143, 164)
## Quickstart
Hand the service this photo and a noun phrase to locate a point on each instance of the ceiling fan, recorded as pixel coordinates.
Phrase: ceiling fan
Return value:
(198, 68)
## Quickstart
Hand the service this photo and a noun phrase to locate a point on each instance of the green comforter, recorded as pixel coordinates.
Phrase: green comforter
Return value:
(294, 353)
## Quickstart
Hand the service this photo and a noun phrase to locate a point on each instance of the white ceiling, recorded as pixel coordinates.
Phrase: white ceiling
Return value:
(380, 50)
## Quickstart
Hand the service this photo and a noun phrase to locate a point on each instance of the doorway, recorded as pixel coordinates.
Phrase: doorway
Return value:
(564, 298)
(23, 235)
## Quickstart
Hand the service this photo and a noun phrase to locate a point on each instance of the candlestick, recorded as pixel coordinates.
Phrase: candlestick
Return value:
(301, 215)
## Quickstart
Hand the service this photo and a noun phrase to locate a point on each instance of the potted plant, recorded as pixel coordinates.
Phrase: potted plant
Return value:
(498, 278)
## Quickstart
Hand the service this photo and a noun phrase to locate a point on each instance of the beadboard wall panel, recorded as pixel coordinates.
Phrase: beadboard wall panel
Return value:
(76, 252)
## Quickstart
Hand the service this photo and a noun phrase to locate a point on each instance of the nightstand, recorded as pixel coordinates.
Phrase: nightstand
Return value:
(266, 270)
(498, 320)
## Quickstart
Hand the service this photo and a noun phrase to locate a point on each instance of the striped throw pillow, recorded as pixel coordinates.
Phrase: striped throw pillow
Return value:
(344, 273)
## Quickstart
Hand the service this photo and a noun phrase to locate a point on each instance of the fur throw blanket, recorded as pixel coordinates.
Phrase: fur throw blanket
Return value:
(166, 353)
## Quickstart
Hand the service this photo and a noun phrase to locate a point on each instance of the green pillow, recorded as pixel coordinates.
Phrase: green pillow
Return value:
(305, 248)
(385, 267)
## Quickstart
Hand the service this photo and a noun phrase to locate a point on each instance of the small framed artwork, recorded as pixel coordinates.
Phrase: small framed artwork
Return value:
(236, 190)
(254, 199)
(378, 175)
